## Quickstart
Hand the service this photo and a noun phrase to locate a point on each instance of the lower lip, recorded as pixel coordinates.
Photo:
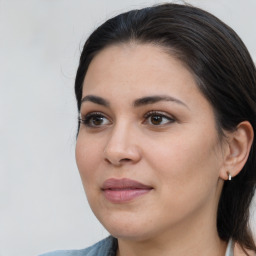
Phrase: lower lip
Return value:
(125, 195)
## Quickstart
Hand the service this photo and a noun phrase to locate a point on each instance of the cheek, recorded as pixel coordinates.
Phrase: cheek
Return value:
(186, 165)
(87, 157)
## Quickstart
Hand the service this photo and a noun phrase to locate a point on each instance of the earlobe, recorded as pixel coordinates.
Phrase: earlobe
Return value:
(239, 146)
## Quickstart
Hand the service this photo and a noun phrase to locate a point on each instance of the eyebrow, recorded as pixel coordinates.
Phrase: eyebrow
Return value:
(96, 99)
(137, 103)
(154, 99)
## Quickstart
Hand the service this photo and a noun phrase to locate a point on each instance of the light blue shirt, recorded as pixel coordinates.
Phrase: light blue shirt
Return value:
(107, 247)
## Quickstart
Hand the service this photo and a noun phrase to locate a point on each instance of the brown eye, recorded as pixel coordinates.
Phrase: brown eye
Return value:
(156, 120)
(95, 120)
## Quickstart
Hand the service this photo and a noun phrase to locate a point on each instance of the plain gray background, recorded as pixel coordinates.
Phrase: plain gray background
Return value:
(42, 203)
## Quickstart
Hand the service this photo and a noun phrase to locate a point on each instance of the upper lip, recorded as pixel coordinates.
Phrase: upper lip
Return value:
(123, 184)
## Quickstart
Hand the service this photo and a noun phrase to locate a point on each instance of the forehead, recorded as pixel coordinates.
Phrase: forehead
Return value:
(137, 66)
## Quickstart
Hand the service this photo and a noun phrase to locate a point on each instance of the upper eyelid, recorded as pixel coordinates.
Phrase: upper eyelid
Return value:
(91, 113)
(161, 113)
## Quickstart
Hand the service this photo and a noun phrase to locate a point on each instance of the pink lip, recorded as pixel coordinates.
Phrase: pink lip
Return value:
(123, 190)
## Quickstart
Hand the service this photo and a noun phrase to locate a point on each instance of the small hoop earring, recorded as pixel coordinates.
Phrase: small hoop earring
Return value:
(229, 176)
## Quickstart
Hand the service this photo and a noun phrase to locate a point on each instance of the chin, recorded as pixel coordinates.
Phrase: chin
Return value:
(124, 228)
(132, 229)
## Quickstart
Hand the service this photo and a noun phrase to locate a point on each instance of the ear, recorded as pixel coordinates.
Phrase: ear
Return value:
(237, 150)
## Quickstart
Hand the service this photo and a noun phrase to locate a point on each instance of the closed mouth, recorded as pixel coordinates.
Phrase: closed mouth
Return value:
(123, 190)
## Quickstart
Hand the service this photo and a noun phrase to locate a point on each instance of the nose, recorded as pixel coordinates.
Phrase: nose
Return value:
(122, 147)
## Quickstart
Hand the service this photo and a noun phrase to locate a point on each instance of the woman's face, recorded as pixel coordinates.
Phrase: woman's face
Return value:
(148, 151)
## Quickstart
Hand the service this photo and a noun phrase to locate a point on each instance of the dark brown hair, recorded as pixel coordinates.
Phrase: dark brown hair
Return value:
(224, 72)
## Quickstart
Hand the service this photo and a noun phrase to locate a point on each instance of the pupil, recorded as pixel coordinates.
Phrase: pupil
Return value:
(156, 119)
(97, 120)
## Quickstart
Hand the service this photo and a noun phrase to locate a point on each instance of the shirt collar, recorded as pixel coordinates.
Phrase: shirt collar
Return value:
(230, 248)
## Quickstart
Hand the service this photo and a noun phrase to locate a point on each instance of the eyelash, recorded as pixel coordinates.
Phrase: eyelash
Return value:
(86, 120)
(159, 114)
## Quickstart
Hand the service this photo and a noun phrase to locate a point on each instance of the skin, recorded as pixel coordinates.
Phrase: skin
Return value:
(181, 157)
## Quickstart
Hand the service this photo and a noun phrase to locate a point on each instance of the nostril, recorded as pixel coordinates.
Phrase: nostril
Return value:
(125, 160)
(118, 162)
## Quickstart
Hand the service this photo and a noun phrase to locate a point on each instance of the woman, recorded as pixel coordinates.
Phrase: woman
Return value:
(165, 146)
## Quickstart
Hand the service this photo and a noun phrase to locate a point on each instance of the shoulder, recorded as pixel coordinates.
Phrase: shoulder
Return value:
(105, 247)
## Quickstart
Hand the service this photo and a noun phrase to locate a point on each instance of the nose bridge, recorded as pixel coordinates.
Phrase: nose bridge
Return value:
(120, 133)
(121, 144)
